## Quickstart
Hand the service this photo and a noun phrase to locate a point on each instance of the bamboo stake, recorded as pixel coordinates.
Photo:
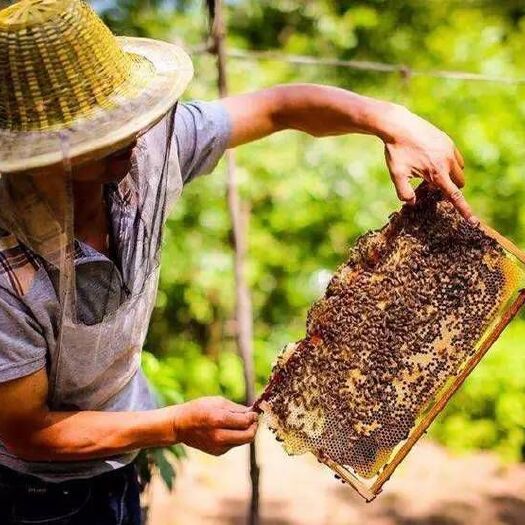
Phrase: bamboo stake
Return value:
(239, 219)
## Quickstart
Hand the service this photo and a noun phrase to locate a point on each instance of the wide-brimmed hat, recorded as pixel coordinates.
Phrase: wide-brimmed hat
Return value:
(69, 87)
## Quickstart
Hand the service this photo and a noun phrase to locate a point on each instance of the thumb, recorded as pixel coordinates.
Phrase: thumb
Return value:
(404, 190)
(400, 176)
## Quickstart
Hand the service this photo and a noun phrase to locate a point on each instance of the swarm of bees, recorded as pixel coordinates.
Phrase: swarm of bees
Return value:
(396, 323)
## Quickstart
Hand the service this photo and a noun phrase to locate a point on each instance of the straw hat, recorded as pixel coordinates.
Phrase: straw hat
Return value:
(69, 87)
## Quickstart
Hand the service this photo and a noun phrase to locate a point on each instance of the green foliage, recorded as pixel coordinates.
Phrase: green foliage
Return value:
(310, 199)
(163, 460)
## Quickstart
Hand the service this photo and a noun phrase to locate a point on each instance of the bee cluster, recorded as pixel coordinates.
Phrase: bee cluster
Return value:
(397, 321)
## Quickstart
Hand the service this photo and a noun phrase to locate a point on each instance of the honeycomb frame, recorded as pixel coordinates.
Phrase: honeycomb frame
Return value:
(370, 486)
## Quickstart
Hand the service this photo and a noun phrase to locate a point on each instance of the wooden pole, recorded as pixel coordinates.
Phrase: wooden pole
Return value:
(239, 217)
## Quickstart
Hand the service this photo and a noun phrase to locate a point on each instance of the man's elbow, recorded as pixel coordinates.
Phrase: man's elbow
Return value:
(37, 441)
(30, 447)
(47, 445)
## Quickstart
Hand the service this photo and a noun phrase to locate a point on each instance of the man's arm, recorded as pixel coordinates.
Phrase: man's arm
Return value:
(413, 146)
(34, 433)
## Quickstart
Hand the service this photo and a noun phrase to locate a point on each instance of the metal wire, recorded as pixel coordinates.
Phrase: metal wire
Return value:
(363, 65)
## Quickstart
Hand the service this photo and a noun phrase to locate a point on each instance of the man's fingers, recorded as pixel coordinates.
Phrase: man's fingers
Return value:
(459, 158)
(404, 191)
(237, 420)
(233, 407)
(454, 195)
(236, 437)
(456, 173)
(400, 178)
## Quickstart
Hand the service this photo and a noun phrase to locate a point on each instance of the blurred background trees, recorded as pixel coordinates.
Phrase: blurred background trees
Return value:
(310, 198)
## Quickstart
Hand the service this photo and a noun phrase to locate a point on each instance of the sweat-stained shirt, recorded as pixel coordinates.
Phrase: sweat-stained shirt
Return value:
(29, 306)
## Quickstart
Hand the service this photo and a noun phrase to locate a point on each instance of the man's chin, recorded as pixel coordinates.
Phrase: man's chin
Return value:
(116, 170)
(105, 171)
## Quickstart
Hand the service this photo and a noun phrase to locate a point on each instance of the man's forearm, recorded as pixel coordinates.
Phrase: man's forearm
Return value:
(324, 110)
(314, 109)
(32, 432)
(70, 436)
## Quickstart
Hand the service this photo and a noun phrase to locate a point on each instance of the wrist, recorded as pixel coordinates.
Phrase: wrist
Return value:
(388, 121)
(171, 426)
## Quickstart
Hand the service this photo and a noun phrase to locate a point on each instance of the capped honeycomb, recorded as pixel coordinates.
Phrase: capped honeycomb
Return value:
(398, 322)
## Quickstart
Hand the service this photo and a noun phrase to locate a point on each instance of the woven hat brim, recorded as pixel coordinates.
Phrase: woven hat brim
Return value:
(107, 129)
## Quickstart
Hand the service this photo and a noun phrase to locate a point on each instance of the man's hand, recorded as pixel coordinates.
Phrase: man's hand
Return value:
(416, 148)
(214, 425)
(413, 146)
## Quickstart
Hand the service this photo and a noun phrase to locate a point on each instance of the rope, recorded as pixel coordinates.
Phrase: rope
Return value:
(363, 65)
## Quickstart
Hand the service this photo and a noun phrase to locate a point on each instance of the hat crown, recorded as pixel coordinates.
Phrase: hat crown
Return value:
(58, 62)
(28, 13)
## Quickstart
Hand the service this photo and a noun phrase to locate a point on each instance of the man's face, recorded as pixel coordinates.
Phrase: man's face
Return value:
(109, 169)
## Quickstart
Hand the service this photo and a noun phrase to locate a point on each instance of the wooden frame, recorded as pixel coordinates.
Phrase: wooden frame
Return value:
(369, 493)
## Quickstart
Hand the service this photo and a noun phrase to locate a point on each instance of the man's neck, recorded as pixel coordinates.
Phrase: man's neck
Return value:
(91, 221)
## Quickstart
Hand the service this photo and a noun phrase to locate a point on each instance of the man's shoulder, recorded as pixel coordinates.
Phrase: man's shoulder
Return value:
(18, 264)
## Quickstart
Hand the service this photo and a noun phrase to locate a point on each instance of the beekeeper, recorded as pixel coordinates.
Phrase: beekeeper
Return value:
(95, 150)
